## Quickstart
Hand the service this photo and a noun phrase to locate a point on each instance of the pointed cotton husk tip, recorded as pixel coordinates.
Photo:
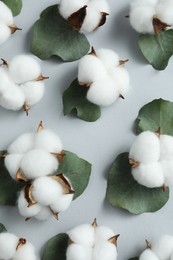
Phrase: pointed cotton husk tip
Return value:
(40, 126)
(60, 156)
(159, 25)
(26, 108)
(60, 178)
(123, 62)
(76, 19)
(92, 52)
(148, 244)
(4, 62)
(94, 224)
(41, 77)
(22, 241)
(113, 240)
(158, 132)
(20, 176)
(103, 19)
(28, 195)
(133, 163)
(14, 28)
(164, 188)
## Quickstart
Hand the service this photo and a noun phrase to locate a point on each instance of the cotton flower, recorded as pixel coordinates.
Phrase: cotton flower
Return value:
(103, 73)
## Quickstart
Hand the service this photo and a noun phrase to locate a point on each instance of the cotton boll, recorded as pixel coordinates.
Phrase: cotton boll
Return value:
(33, 91)
(103, 92)
(148, 254)
(99, 5)
(103, 233)
(6, 15)
(12, 163)
(141, 19)
(167, 168)
(25, 252)
(49, 141)
(108, 57)
(78, 252)
(90, 69)
(46, 190)
(164, 12)
(62, 203)
(104, 250)
(68, 7)
(83, 235)
(91, 20)
(38, 162)
(22, 144)
(5, 33)
(145, 148)
(164, 247)
(137, 3)
(23, 68)
(166, 147)
(8, 244)
(26, 211)
(4, 78)
(44, 214)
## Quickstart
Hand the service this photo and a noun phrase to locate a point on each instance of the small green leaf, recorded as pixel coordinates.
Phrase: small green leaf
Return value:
(154, 115)
(157, 49)
(74, 99)
(8, 187)
(52, 35)
(134, 258)
(14, 5)
(124, 192)
(2, 228)
(56, 248)
(77, 171)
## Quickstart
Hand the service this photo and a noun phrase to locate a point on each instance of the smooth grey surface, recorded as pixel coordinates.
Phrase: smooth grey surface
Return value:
(98, 142)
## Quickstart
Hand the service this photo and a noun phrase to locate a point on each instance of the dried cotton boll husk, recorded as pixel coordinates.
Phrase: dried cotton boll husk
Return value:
(164, 11)
(5, 32)
(33, 91)
(90, 69)
(163, 248)
(25, 211)
(104, 250)
(22, 144)
(62, 203)
(145, 148)
(37, 163)
(12, 163)
(46, 190)
(44, 214)
(49, 141)
(103, 92)
(68, 7)
(91, 20)
(167, 168)
(149, 175)
(103, 233)
(83, 235)
(6, 16)
(78, 252)
(148, 254)
(23, 68)
(108, 57)
(8, 244)
(25, 252)
(166, 147)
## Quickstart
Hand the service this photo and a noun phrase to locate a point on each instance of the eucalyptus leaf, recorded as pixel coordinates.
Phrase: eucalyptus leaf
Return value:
(74, 100)
(154, 115)
(77, 171)
(124, 192)
(2, 228)
(134, 258)
(52, 35)
(157, 48)
(14, 5)
(56, 248)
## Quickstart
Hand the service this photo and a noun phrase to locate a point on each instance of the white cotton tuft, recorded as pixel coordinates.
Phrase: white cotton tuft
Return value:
(4, 77)
(164, 12)
(22, 144)
(91, 20)
(33, 91)
(164, 247)
(49, 141)
(5, 33)
(103, 233)
(83, 235)
(167, 168)
(137, 3)
(44, 214)
(8, 244)
(6, 15)
(68, 7)
(104, 250)
(148, 254)
(78, 252)
(23, 68)
(166, 147)
(62, 203)
(103, 92)
(26, 211)
(149, 175)
(90, 69)
(25, 252)
(145, 148)
(12, 163)
(46, 190)
(108, 57)
(99, 5)
(38, 162)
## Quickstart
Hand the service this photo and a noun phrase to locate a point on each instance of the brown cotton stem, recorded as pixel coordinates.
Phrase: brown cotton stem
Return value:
(22, 241)
(113, 240)
(123, 62)
(93, 52)
(27, 219)
(158, 132)
(26, 108)
(14, 28)
(4, 62)
(94, 224)
(121, 96)
(149, 245)
(133, 163)
(41, 77)
(40, 127)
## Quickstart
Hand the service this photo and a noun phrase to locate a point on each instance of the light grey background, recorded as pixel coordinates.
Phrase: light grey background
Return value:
(99, 142)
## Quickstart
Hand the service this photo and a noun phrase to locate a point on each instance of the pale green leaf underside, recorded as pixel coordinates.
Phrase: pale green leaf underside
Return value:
(2, 228)
(14, 5)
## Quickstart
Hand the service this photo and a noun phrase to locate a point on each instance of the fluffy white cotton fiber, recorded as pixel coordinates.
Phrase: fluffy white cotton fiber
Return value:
(8, 244)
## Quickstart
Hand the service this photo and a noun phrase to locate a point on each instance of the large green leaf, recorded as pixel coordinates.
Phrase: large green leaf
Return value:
(56, 248)
(154, 115)
(74, 99)
(52, 35)
(124, 192)
(14, 5)
(77, 171)
(157, 48)
(2, 228)
(134, 258)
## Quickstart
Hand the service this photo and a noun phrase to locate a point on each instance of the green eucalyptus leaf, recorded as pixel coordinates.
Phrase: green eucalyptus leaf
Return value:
(74, 99)
(56, 248)
(52, 35)
(157, 48)
(8, 187)
(134, 258)
(155, 115)
(14, 5)
(124, 192)
(2, 228)
(77, 171)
